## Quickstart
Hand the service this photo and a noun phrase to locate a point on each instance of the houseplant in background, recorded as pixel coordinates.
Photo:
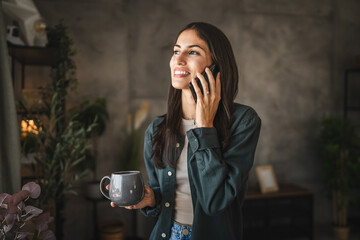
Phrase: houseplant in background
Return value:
(86, 113)
(63, 137)
(130, 159)
(340, 161)
(19, 221)
(131, 142)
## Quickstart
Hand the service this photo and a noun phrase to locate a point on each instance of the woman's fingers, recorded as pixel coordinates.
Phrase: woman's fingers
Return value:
(127, 207)
(197, 89)
(148, 200)
(211, 81)
(204, 84)
(209, 88)
(147, 190)
(207, 106)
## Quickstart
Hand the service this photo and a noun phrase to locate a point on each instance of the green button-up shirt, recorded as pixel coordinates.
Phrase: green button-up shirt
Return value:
(218, 179)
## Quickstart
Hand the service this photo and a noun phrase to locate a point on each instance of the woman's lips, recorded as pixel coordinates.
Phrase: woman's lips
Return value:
(181, 73)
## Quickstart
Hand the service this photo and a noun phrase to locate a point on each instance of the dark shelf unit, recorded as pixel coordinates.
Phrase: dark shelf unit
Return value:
(29, 56)
(36, 56)
(285, 214)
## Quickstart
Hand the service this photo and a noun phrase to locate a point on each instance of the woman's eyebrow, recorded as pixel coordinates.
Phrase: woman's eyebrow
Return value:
(190, 46)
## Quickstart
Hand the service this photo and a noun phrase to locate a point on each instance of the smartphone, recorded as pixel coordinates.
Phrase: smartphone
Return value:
(214, 70)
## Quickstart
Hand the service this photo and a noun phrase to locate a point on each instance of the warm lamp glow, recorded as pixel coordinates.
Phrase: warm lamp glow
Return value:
(40, 26)
(28, 127)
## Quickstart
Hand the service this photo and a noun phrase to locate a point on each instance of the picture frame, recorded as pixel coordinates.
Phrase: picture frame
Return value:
(267, 179)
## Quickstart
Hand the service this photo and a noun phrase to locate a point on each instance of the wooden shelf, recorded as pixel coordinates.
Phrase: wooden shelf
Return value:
(33, 55)
(284, 191)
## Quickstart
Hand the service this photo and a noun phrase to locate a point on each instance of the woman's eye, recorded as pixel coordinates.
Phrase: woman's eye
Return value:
(176, 52)
(193, 53)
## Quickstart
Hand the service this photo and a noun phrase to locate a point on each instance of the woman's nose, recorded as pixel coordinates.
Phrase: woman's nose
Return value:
(180, 59)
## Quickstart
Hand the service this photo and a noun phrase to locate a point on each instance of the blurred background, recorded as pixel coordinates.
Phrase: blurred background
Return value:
(294, 58)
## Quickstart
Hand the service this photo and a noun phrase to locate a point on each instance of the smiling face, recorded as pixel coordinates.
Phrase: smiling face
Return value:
(191, 55)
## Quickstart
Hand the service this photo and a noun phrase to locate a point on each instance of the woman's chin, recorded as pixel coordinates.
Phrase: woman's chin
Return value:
(180, 85)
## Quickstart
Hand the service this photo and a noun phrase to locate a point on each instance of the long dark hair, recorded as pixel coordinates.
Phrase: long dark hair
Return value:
(222, 55)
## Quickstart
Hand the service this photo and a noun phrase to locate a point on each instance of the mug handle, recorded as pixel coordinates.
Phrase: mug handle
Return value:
(101, 187)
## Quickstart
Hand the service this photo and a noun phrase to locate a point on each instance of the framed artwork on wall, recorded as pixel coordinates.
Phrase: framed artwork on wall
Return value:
(267, 179)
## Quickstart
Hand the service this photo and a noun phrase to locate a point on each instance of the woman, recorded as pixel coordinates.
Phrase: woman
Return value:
(198, 155)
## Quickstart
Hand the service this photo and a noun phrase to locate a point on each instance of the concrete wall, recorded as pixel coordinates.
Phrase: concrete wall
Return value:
(291, 56)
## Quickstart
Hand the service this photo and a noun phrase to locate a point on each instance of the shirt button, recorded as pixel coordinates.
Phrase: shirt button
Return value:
(185, 231)
(163, 235)
(177, 145)
(169, 173)
(167, 204)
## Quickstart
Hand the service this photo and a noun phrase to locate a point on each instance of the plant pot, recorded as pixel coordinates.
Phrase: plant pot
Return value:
(341, 233)
(112, 231)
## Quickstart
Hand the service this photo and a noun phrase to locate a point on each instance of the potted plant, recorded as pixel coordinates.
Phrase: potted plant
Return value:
(20, 221)
(131, 142)
(62, 139)
(340, 161)
(86, 113)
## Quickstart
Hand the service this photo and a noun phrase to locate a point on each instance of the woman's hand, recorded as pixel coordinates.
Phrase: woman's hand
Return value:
(207, 103)
(147, 201)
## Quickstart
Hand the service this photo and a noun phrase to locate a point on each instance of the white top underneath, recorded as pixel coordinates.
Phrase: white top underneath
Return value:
(183, 211)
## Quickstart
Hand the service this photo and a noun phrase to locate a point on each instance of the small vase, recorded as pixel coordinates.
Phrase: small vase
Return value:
(112, 231)
(341, 233)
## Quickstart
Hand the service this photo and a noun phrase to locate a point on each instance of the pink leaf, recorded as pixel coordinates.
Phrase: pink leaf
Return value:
(48, 235)
(21, 235)
(31, 212)
(24, 231)
(10, 220)
(21, 206)
(41, 223)
(33, 188)
(4, 199)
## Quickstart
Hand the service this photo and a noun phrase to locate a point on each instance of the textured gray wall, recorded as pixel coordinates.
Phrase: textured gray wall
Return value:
(290, 54)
